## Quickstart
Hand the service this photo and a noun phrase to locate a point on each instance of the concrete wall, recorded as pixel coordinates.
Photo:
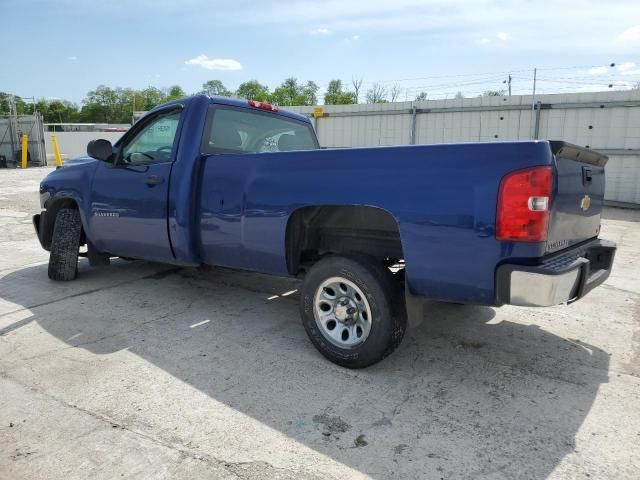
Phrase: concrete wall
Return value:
(606, 121)
(74, 144)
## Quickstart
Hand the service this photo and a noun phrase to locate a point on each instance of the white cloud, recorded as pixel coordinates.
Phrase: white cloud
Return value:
(631, 34)
(73, 58)
(320, 31)
(214, 63)
(595, 87)
(628, 68)
(484, 41)
(356, 37)
(611, 29)
(461, 22)
(603, 87)
(599, 70)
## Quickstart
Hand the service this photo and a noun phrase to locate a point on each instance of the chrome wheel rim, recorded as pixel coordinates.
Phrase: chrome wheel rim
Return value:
(342, 312)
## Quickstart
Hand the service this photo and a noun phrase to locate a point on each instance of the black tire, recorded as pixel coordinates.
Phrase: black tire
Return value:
(63, 259)
(386, 301)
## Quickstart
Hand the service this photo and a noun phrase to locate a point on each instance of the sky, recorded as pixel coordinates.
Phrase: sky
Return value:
(64, 48)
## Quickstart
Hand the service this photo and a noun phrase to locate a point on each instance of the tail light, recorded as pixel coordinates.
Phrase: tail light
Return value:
(523, 205)
(263, 106)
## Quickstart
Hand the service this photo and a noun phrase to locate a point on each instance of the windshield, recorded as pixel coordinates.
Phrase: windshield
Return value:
(240, 130)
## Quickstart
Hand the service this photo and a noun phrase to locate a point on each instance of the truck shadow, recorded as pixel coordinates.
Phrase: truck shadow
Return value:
(469, 394)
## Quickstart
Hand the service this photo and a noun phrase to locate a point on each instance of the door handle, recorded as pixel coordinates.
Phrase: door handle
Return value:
(154, 180)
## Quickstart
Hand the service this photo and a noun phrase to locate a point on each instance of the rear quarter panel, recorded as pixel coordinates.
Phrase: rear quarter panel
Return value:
(443, 198)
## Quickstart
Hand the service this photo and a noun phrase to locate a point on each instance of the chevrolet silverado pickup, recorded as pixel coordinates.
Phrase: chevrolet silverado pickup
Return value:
(245, 185)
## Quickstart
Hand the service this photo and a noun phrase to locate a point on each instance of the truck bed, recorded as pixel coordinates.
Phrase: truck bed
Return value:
(443, 198)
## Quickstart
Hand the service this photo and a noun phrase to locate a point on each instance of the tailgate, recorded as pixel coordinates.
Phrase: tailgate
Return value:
(577, 204)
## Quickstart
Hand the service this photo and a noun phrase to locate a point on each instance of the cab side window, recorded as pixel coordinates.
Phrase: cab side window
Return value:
(244, 130)
(154, 142)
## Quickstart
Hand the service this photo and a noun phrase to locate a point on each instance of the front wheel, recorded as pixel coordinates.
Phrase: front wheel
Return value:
(65, 243)
(353, 310)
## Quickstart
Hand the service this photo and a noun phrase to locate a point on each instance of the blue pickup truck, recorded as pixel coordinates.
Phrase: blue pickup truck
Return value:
(242, 184)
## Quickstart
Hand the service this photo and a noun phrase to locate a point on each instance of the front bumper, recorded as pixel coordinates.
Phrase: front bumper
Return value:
(561, 278)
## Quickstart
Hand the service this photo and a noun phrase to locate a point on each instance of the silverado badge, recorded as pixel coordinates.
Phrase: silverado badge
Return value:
(585, 203)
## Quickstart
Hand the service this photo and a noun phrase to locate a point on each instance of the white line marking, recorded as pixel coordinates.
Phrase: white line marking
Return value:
(199, 323)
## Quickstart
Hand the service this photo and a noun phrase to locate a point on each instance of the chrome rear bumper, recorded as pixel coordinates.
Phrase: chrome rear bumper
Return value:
(561, 278)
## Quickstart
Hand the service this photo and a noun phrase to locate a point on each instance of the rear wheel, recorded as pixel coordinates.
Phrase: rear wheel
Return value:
(63, 259)
(353, 310)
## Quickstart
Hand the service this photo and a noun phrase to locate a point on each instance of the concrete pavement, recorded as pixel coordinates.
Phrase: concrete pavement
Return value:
(146, 371)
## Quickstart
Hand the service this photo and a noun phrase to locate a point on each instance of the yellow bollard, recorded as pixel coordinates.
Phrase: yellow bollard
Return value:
(25, 141)
(56, 151)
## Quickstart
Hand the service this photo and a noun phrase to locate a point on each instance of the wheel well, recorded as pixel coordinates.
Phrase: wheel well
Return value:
(50, 219)
(313, 232)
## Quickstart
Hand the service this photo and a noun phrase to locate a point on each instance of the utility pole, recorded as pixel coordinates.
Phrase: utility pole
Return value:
(13, 123)
(508, 82)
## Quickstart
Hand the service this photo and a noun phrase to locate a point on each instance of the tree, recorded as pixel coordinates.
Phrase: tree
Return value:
(287, 92)
(459, 95)
(421, 97)
(129, 100)
(376, 94)
(253, 90)
(636, 86)
(20, 105)
(290, 92)
(310, 92)
(175, 92)
(215, 87)
(336, 96)
(100, 105)
(57, 111)
(107, 105)
(493, 93)
(357, 84)
(4, 103)
(395, 92)
(149, 98)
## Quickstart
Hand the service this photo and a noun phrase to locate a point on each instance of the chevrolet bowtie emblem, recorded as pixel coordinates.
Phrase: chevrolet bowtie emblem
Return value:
(585, 203)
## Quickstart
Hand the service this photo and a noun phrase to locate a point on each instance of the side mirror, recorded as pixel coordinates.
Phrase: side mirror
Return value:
(100, 149)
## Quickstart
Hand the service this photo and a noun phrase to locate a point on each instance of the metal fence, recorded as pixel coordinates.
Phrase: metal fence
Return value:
(608, 122)
(12, 127)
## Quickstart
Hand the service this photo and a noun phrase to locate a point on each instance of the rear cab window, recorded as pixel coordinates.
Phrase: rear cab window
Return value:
(243, 130)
